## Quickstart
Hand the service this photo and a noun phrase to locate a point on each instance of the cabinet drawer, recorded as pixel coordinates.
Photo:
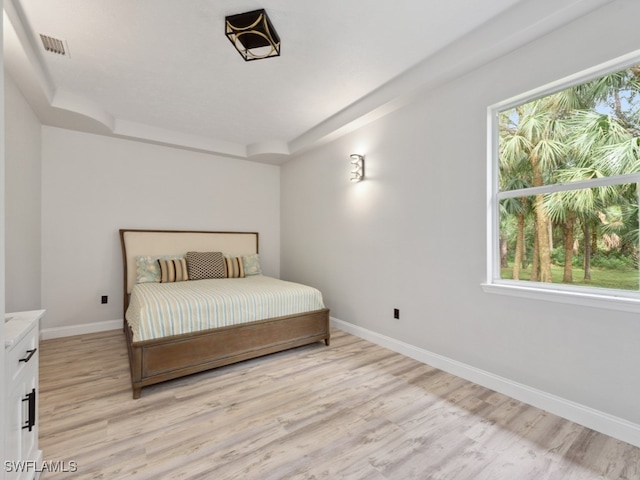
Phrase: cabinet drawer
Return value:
(23, 356)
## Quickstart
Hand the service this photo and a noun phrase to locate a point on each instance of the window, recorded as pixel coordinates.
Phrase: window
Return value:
(564, 174)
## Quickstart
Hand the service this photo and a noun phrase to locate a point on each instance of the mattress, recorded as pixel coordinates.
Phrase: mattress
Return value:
(158, 310)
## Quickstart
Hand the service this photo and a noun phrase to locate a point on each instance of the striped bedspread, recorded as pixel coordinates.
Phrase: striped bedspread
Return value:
(158, 310)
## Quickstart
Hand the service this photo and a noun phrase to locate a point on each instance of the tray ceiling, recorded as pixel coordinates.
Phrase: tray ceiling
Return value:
(163, 71)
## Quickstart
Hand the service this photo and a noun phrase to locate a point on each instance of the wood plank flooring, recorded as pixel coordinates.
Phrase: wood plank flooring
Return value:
(353, 410)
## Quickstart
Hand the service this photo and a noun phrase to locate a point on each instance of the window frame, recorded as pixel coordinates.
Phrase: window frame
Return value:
(612, 299)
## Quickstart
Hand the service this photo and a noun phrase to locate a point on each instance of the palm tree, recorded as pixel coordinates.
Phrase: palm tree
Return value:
(601, 147)
(584, 132)
(535, 137)
(514, 175)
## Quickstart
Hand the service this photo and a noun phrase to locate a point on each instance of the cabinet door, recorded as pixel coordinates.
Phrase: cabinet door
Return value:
(29, 436)
(22, 443)
(22, 457)
(13, 447)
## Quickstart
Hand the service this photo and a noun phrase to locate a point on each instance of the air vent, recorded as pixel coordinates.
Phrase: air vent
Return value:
(53, 45)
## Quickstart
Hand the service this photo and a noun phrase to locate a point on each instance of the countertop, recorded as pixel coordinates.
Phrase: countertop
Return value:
(18, 324)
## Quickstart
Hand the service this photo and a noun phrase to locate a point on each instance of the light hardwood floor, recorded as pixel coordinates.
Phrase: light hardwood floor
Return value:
(353, 410)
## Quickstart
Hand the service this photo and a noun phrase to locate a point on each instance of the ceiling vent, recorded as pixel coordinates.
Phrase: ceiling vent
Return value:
(53, 45)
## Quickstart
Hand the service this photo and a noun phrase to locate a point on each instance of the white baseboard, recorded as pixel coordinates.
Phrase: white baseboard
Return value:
(596, 420)
(70, 330)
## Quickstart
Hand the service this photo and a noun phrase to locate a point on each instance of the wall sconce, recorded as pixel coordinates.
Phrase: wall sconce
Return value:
(357, 167)
(253, 35)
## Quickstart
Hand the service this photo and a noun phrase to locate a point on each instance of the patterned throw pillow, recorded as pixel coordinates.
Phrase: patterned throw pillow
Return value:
(235, 267)
(148, 269)
(251, 265)
(202, 265)
(173, 270)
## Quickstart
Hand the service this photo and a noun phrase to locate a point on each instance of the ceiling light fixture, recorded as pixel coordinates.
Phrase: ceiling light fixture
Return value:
(253, 35)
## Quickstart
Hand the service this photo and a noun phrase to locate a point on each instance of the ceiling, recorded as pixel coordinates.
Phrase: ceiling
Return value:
(163, 71)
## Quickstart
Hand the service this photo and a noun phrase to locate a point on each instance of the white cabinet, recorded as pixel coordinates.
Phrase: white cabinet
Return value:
(22, 457)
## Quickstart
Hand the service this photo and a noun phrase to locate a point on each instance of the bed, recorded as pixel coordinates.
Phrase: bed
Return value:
(162, 345)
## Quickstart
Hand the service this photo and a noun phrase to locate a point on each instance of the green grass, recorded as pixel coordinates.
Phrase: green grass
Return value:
(623, 279)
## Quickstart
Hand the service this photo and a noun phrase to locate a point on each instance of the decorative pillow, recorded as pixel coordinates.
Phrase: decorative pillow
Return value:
(173, 270)
(235, 267)
(251, 265)
(202, 265)
(148, 269)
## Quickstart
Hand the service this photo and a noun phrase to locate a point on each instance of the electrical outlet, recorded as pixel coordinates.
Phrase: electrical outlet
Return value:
(396, 313)
(105, 299)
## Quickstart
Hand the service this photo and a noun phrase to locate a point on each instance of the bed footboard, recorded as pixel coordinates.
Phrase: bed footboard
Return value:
(155, 361)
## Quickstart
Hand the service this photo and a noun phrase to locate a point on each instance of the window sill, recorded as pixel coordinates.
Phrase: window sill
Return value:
(586, 299)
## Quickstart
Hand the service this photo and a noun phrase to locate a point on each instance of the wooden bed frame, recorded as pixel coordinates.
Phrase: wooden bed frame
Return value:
(155, 361)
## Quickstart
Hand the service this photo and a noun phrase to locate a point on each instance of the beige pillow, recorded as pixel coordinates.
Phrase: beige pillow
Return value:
(235, 267)
(173, 270)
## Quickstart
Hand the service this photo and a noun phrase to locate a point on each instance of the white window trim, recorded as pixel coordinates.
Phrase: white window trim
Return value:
(610, 299)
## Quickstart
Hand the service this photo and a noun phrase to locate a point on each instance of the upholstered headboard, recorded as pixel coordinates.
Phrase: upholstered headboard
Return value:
(172, 242)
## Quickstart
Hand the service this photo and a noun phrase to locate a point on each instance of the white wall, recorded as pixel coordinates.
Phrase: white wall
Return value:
(2, 255)
(22, 201)
(93, 185)
(413, 234)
